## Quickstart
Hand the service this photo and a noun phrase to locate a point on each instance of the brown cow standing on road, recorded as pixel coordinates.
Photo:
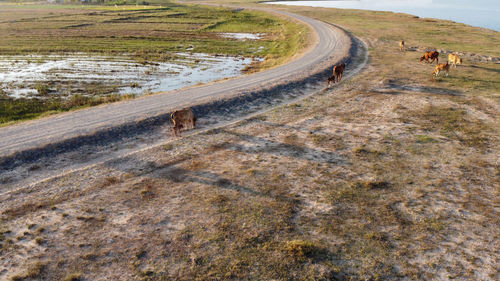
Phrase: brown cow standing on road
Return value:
(433, 55)
(183, 118)
(338, 70)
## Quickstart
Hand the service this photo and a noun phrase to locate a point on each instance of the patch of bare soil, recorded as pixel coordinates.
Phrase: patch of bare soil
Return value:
(28, 167)
(390, 175)
(385, 179)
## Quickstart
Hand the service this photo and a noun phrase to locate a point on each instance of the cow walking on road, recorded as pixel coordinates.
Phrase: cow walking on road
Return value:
(338, 70)
(183, 118)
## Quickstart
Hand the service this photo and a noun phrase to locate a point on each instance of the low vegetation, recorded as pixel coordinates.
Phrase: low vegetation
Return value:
(147, 33)
(152, 32)
(390, 175)
(14, 109)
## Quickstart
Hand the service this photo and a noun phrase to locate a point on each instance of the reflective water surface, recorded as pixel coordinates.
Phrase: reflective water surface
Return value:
(482, 13)
(71, 74)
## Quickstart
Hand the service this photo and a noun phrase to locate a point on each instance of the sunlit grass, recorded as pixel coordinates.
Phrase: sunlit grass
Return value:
(147, 32)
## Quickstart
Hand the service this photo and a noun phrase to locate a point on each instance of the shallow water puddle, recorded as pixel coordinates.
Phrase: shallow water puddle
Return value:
(20, 76)
(242, 36)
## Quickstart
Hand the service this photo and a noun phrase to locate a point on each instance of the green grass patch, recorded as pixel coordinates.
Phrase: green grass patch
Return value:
(393, 27)
(130, 29)
(13, 109)
(147, 32)
(452, 123)
(425, 139)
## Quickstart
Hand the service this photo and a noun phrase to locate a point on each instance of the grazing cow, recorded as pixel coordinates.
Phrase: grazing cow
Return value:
(433, 55)
(183, 118)
(338, 70)
(454, 59)
(402, 45)
(441, 67)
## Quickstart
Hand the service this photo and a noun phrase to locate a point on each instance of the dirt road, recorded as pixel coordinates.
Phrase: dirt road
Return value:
(41, 132)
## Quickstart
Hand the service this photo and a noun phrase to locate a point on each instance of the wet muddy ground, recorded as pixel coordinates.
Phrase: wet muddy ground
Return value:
(70, 74)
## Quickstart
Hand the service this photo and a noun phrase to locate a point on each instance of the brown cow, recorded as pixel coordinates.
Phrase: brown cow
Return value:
(433, 55)
(441, 67)
(183, 118)
(338, 70)
(402, 45)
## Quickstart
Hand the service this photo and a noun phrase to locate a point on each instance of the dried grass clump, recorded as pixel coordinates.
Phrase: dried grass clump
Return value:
(34, 270)
(73, 277)
(299, 249)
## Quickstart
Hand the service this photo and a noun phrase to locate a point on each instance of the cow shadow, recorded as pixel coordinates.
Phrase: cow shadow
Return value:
(177, 174)
(263, 145)
(395, 89)
(172, 172)
(485, 68)
(283, 126)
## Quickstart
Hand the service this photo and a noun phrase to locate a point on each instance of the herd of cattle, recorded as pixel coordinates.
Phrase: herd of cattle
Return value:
(434, 55)
(185, 118)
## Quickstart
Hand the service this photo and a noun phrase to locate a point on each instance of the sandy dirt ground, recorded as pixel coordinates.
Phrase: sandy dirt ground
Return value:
(384, 176)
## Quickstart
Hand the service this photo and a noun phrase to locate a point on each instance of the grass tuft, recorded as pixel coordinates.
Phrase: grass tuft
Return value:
(73, 277)
(299, 249)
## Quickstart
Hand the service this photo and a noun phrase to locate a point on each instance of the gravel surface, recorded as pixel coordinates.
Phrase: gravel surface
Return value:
(105, 131)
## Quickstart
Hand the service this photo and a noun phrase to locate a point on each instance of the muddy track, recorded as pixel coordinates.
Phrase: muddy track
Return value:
(40, 149)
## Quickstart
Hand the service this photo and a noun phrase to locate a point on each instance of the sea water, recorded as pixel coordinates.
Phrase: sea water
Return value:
(481, 13)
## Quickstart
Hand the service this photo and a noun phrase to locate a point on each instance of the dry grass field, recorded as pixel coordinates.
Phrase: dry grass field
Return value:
(390, 175)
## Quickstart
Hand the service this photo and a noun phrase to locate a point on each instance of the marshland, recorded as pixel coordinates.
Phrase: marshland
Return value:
(55, 58)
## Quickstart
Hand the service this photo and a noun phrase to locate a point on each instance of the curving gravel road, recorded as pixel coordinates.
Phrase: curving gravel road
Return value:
(331, 45)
